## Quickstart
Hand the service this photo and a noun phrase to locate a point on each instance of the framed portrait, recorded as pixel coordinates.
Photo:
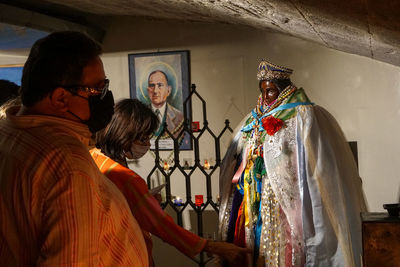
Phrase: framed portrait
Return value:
(161, 80)
(13, 73)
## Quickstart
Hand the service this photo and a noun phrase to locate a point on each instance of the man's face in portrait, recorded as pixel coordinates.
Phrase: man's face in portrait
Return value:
(158, 89)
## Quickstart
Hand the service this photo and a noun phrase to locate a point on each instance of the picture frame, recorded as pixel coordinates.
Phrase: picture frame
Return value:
(12, 73)
(161, 80)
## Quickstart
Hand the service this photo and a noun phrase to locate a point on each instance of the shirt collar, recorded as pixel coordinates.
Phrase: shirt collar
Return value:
(161, 109)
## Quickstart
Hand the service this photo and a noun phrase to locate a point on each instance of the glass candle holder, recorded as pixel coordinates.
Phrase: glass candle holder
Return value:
(166, 166)
(198, 200)
(178, 201)
(206, 165)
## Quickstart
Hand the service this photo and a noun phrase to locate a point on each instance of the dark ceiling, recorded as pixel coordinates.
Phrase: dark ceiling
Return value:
(365, 27)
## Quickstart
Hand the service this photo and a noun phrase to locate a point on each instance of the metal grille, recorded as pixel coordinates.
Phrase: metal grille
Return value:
(188, 171)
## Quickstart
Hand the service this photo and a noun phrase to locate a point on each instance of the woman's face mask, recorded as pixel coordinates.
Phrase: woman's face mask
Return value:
(137, 150)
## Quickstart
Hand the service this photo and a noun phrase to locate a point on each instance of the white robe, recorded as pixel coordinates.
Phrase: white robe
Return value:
(312, 172)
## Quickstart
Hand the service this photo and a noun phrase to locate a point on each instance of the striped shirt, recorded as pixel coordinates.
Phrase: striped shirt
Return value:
(146, 208)
(56, 208)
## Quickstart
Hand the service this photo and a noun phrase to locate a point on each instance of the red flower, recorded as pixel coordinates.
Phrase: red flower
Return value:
(271, 124)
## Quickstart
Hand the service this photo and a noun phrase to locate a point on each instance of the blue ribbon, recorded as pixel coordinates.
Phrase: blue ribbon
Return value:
(250, 126)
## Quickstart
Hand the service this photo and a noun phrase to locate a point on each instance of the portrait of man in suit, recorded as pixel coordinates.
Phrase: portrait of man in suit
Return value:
(161, 80)
(159, 89)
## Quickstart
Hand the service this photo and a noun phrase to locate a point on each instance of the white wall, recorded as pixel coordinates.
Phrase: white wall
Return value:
(13, 57)
(362, 94)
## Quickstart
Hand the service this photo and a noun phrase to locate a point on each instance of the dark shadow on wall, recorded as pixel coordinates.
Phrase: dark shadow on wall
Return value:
(353, 147)
(147, 34)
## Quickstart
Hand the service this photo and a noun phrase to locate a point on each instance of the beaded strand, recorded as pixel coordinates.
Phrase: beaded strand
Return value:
(282, 96)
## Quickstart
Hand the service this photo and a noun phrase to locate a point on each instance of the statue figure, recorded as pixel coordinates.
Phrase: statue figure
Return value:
(289, 184)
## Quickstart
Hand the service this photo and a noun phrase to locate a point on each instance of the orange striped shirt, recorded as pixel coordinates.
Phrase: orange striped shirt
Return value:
(146, 208)
(56, 208)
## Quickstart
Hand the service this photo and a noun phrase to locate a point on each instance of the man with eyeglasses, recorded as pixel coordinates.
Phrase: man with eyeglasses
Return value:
(158, 90)
(56, 208)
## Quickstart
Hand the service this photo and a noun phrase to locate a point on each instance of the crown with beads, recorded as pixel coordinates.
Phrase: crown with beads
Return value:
(269, 71)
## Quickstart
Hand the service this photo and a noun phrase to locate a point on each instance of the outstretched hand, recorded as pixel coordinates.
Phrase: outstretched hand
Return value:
(227, 251)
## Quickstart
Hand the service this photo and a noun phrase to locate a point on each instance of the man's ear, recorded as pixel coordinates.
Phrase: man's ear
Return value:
(59, 99)
(169, 90)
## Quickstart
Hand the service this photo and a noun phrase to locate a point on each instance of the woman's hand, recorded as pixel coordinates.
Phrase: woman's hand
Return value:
(227, 251)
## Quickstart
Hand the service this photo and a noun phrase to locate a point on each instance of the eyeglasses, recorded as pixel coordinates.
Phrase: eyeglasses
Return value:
(92, 90)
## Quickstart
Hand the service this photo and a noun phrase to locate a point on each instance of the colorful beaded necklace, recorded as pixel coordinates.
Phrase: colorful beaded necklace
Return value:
(282, 96)
(261, 109)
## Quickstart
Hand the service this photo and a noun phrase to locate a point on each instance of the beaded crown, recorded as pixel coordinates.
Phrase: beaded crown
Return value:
(268, 71)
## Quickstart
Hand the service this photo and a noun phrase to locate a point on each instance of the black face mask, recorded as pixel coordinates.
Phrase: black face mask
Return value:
(101, 111)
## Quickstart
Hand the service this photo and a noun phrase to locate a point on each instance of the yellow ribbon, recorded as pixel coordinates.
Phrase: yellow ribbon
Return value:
(246, 188)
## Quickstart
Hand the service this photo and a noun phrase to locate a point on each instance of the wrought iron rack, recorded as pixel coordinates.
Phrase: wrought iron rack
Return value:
(188, 171)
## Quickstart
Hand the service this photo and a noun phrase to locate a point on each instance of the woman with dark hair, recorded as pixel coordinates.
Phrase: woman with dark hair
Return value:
(129, 132)
(9, 96)
(8, 90)
(128, 136)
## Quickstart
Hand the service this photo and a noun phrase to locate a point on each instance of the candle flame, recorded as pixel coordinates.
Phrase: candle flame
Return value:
(166, 166)
(206, 165)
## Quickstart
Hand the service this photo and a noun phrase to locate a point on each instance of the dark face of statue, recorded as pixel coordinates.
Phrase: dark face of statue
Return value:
(269, 92)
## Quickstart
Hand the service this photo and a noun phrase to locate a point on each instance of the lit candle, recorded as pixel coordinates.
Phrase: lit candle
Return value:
(166, 166)
(178, 201)
(198, 200)
(206, 165)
